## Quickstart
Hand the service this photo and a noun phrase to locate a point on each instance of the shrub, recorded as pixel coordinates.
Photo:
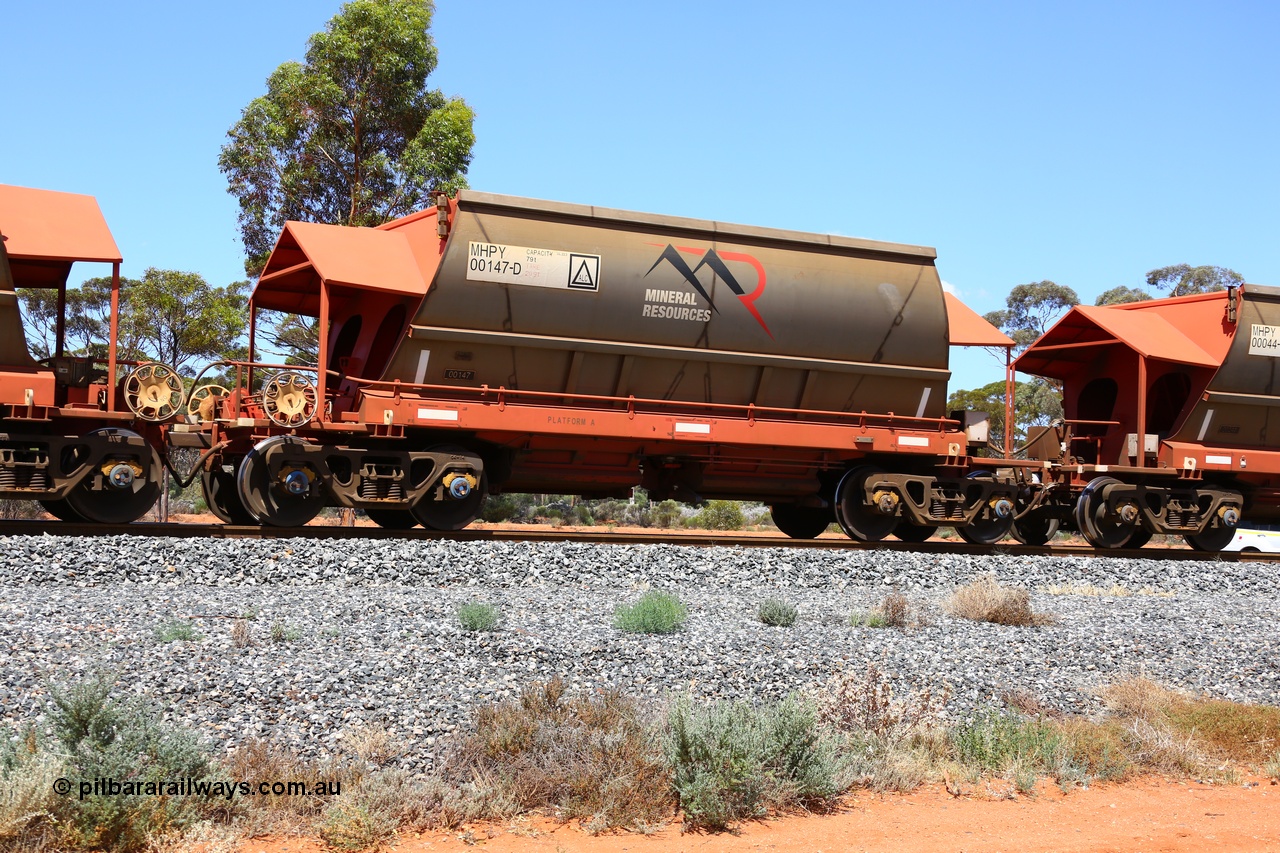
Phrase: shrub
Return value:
(266, 761)
(777, 613)
(596, 759)
(870, 619)
(282, 633)
(732, 761)
(28, 769)
(478, 616)
(241, 635)
(655, 613)
(107, 740)
(865, 705)
(356, 826)
(719, 515)
(1000, 741)
(1177, 731)
(896, 611)
(177, 631)
(498, 508)
(666, 514)
(984, 600)
(1272, 767)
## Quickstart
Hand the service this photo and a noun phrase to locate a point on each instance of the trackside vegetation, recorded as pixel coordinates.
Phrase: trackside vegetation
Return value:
(605, 760)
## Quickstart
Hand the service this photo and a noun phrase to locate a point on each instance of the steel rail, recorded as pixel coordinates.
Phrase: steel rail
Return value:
(534, 533)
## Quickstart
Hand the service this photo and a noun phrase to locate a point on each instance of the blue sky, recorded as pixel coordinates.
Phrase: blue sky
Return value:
(1084, 143)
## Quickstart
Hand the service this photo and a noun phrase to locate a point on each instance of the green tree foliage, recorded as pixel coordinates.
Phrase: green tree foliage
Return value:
(1185, 280)
(1031, 309)
(168, 316)
(351, 136)
(1121, 295)
(1035, 403)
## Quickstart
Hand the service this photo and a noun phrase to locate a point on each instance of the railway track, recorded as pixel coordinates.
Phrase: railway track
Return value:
(537, 534)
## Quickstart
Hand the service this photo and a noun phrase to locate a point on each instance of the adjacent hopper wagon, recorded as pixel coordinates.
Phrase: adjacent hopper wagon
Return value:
(71, 436)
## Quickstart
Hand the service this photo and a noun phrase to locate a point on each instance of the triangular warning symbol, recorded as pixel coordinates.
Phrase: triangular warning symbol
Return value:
(583, 276)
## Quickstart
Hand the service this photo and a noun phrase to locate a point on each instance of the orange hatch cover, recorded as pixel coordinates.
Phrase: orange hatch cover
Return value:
(308, 253)
(44, 225)
(967, 328)
(1144, 331)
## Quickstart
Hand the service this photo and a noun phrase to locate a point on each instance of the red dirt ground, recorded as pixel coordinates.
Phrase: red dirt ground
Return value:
(1150, 814)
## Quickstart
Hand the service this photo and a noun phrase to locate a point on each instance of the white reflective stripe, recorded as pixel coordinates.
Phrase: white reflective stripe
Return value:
(912, 441)
(924, 401)
(1204, 427)
(1217, 460)
(704, 429)
(437, 415)
(422, 366)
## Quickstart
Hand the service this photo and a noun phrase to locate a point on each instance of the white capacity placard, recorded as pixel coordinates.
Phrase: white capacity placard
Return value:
(1264, 340)
(536, 267)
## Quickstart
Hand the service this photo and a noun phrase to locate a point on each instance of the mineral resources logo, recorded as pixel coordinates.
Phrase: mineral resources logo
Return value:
(683, 304)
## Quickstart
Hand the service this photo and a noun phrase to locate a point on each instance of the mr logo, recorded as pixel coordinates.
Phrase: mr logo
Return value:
(715, 261)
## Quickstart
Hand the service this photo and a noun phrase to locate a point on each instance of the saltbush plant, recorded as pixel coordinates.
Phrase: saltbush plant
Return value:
(731, 761)
(177, 631)
(655, 613)
(98, 738)
(478, 616)
(777, 613)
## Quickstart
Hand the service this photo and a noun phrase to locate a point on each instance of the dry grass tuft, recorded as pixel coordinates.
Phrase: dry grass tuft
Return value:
(595, 759)
(241, 635)
(895, 611)
(1177, 731)
(1113, 591)
(984, 600)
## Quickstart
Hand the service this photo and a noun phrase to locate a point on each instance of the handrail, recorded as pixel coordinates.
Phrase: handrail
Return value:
(502, 396)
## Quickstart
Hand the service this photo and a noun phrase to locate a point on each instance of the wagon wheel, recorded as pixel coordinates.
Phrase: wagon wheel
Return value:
(1100, 528)
(123, 486)
(203, 402)
(801, 522)
(1213, 539)
(859, 521)
(986, 531)
(153, 392)
(1035, 531)
(291, 498)
(452, 513)
(62, 511)
(289, 399)
(1141, 536)
(392, 519)
(908, 532)
(222, 498)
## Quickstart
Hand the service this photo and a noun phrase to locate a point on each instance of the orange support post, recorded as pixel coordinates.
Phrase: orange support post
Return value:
(1008, 402)
(114, 338)
(323, 359)
(1142, 411)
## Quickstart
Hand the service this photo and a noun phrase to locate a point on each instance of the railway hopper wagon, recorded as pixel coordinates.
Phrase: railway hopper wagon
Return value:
(73, 435)
(1172, 419)
(494, 343)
